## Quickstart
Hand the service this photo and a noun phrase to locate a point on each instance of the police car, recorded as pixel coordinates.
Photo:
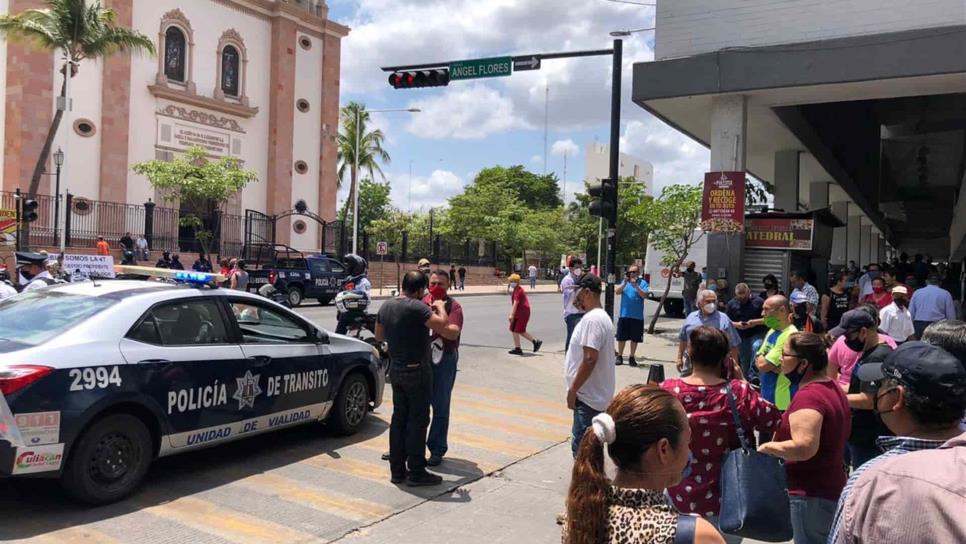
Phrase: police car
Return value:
(99, 378)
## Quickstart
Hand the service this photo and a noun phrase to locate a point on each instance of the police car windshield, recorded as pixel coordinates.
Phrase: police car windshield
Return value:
(35, 317)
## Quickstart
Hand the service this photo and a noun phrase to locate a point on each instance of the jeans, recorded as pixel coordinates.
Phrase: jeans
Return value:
(690, 304)
(444, 377)
(412, 389)
(746, 352)
(462, 282)
(571, 320)
(533, 283)
(583, 414)
(811, 519)
(729, 539)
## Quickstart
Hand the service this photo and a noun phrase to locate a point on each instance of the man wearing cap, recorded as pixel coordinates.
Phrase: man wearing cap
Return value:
(931, 303)
(921, 396)
(33, 270)
(895, 319)
(568, 286)
(165, 260)
(589, 370)
(862, 335)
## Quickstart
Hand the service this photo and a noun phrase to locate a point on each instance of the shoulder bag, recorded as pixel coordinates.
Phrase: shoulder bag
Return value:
(754, 494)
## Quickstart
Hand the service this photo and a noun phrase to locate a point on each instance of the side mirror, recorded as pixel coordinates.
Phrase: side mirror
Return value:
(320, 336)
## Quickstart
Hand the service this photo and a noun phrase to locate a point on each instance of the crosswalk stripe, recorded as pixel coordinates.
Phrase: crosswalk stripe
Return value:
(352, 467)
(381, 444)
(83, 535)
(293, 491)
(215, 520)
(554, 405)
(533, 432)
(556, 421)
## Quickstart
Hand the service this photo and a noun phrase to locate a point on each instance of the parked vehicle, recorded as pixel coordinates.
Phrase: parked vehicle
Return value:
(295, 274)
(657, 276)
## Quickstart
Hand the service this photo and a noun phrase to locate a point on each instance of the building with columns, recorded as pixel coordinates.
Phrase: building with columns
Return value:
(853, 105)
(252, 79)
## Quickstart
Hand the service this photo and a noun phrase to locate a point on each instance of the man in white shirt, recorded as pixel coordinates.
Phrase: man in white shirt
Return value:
(589, 366)
(896, 318)
(532, 274)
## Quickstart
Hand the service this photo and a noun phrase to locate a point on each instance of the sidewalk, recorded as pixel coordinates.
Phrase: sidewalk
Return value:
(478, 290)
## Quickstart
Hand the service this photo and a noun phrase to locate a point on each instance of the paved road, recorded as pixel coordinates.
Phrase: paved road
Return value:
(505, 476)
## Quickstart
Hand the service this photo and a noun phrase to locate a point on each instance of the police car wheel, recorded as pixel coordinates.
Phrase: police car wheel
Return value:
(109, 460)
(351, 405)
(294, 296)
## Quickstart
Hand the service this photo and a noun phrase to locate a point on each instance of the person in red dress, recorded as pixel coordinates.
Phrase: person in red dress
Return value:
(880, 296)
(704, 395)
(520, 316)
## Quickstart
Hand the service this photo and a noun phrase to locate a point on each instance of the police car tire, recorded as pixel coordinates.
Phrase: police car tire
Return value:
(294, 296)
(77, 480)
(346, 417)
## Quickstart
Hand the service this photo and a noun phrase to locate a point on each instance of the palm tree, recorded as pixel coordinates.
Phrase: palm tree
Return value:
(370, 150)
(79, 31)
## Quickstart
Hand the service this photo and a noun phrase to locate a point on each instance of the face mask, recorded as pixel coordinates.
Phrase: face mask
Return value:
(878, 290)
(709, 308)
(437, 292)
(772, 322)
(577, 271)
(513, 285)
(687, 468)
(795, 376)
(26, 274)
(873, 274)
(855, 344)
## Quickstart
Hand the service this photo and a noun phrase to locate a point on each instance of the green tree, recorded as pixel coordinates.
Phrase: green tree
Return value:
(583, 228)
(673, 221)
(374, 203)
(370, 151)
(534, 192)
(80, 32)
(200, 186)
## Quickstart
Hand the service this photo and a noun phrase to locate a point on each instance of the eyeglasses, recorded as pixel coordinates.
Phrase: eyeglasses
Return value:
(795, 355)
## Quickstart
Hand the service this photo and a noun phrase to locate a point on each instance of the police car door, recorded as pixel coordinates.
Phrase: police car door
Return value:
(294, 366)
(192, 368)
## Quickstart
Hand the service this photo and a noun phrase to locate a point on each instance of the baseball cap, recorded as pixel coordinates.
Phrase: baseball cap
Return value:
(852, 320)
(423, 262)
(588, 281)
(900, 290)
(926, 369)
(514, 278)
(798, 297)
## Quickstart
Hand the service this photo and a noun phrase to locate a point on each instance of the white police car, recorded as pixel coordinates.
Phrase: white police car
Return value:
(101, 378)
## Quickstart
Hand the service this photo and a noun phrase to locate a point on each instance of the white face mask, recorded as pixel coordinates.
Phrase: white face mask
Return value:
(709, 308)
(578, 271)
(514, 285)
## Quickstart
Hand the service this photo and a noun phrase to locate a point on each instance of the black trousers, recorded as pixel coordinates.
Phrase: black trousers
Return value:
(412, 392)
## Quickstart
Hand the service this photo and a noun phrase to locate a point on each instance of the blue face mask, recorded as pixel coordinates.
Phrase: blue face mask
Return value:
(687, 468)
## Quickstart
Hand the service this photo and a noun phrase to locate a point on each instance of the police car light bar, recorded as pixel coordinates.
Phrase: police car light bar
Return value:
(187, 276)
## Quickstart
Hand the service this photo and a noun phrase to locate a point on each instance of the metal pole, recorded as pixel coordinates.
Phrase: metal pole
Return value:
(615, 134)
(600, 244)
(17, 211)
(355, 183)
(57, 234)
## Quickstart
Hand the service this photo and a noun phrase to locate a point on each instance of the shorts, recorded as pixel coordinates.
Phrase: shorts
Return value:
(630, 329)
(519, 324)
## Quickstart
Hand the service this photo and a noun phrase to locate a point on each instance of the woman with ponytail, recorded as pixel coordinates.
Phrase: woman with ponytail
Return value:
(646, 433)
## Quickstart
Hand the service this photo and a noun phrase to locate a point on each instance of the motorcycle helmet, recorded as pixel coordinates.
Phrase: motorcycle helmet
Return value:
(355, 264)
(349, 301)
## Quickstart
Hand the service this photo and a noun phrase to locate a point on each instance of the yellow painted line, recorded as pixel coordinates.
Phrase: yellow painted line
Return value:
(293, 491)
(485, 466)
(352, 467)
(556, 421)
(554, 405)
(215, 520)
(492, 444)
(533, 432)
(83, 534)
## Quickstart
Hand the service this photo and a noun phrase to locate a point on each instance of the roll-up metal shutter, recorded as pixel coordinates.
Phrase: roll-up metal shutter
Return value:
(761, 262)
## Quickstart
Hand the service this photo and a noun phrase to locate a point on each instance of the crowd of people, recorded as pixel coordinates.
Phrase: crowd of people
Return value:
(860, 391)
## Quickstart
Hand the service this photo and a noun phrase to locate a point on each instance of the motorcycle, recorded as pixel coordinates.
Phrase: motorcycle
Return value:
(272, 293)
(354, 321)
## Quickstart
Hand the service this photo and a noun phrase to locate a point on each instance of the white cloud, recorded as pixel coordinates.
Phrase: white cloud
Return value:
(423, 192)
(677, 159)
(465, 114)
(564, 147)
(537, 160)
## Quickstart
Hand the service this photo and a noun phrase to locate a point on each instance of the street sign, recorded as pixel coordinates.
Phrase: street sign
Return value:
(522, 65)
(382, 248)
(479, 68)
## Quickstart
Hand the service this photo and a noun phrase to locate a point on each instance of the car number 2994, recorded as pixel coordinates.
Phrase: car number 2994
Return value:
(94, 378)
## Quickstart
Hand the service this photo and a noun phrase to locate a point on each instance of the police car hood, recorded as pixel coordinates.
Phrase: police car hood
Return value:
(340, 343)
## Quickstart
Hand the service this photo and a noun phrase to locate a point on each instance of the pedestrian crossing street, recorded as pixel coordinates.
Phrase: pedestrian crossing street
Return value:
(298, 485)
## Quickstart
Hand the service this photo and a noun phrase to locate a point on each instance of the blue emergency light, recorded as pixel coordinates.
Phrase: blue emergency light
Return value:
(194, 277)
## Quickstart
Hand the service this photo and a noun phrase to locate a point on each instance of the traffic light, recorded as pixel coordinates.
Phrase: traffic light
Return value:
(603, 193)
(29, 214)
(420, 78)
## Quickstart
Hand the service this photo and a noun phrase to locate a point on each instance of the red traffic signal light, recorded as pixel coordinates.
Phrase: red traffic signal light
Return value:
(29, 213)
(420, 78)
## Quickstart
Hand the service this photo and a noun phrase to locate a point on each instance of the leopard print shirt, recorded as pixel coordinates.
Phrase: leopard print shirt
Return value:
(640, 516)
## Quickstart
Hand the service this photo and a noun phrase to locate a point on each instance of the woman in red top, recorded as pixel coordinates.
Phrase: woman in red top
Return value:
(880, 296)
(812, 438)
(704, 395)
(520, 316)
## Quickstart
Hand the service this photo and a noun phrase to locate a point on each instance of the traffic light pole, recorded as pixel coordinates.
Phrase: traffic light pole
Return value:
(615, 134)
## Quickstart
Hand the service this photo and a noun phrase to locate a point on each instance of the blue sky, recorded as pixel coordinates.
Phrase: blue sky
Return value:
(473, 124)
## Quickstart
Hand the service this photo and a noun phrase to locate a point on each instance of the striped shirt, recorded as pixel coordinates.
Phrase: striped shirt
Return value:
(891, 446)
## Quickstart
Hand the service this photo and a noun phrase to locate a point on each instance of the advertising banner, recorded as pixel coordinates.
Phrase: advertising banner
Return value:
(779, 233)
(89, 266)
(8, 227)
(723, 204)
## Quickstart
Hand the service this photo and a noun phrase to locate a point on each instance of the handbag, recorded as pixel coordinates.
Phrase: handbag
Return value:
(754, 494)
(655, 374)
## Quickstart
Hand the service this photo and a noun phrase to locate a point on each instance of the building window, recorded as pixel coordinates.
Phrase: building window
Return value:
(85, 128)
(305, 43)
(230, 72)
(301, 167)
(175, 55)
(302, 105)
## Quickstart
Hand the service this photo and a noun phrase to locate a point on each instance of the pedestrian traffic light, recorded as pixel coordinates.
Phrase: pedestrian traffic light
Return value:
(29, 214)
(420, 78)
(603, 194)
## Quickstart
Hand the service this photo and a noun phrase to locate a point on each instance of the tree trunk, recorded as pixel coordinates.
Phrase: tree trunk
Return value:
(667, 289)
(352, 193)
(41, 165)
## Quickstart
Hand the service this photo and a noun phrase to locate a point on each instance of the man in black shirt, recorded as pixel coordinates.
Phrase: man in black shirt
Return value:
(862, 335)
(403, 324)
(744, 310)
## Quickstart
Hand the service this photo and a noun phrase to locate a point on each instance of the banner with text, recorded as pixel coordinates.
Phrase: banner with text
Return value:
(723, 205)
(89, 266)
(782, 233)
(8, 227)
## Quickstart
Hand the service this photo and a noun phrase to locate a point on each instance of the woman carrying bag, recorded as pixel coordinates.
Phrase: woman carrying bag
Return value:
(811, 439)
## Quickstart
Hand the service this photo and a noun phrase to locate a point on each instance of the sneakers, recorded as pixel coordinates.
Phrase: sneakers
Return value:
(434, 460)
(398, 478)
(422, 479)
(620, 360)
(516, 351)
(536, 345)
(632, 362)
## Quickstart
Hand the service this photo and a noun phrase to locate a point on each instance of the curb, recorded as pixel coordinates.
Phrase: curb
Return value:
(458, 295)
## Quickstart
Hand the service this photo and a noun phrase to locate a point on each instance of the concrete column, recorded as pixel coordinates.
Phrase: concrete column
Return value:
(854, 234)
(865, 247)
(729, 131)
(786, 179)
(818, 195)
(883, 253)
(840, 236)
(874, 247)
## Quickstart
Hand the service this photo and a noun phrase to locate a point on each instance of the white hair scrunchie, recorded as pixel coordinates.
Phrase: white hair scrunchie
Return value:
(604, 428)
